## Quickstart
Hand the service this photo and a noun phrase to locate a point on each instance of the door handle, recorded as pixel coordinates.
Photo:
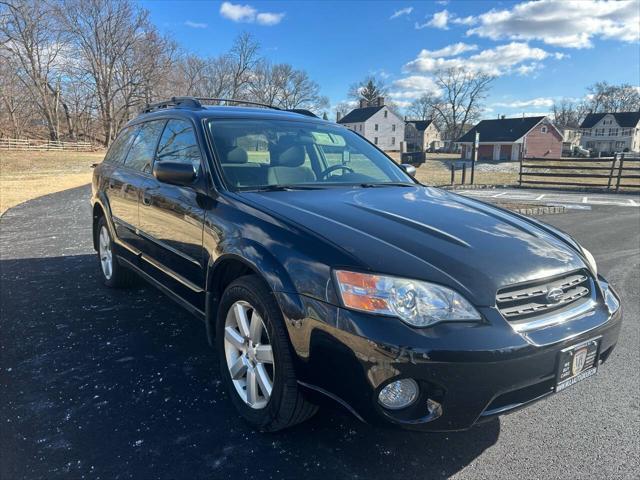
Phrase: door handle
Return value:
(146, 197)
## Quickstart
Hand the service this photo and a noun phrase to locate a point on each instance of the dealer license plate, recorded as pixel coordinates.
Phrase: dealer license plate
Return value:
(576, 363)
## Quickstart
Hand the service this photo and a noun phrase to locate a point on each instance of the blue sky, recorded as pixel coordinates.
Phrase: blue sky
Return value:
(539, 51)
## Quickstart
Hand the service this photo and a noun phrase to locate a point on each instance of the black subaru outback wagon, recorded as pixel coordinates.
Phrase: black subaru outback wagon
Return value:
(323, 269)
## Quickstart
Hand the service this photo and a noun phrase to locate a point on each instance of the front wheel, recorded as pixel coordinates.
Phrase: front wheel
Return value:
(255, 357)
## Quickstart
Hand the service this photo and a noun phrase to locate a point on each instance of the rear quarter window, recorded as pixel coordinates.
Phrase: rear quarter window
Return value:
(140, 156)
(119, 148)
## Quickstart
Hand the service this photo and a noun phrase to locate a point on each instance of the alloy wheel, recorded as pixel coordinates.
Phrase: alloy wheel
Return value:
(106, 256)
(249, 355)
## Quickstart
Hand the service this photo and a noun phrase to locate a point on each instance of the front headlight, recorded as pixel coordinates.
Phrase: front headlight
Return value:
(591, 261)
(418, 303)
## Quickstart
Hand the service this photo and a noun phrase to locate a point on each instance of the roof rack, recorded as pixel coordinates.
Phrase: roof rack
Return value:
(197, 103)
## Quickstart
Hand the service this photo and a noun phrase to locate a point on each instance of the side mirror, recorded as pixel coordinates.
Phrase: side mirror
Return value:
(174, 173)
(409, 169)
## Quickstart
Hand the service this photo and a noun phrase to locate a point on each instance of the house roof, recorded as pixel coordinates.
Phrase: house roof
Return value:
(420, 125)
(359, 115)
(624, 119)
(501, 130)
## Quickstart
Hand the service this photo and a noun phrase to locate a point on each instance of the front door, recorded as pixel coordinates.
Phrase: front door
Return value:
(496, 152)
(172, 219)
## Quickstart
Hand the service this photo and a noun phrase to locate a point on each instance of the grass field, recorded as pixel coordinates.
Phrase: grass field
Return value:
(25, 174)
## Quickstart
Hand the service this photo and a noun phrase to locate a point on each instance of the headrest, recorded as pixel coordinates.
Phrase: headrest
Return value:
(237, 155)
(289, 156)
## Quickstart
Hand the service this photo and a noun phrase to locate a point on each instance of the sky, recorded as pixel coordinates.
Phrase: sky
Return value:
(539, 51)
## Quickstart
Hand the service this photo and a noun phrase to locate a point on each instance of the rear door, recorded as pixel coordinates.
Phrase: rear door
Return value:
(127, 181)
(172, 218)
(122, 202)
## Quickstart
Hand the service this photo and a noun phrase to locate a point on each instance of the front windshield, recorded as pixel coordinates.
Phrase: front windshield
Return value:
(256, 154)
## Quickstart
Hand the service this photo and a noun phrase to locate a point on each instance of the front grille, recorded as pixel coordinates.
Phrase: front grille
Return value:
(526, 302)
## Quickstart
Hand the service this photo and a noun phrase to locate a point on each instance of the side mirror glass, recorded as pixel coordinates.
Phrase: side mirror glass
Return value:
(409, 169)
(174, 173)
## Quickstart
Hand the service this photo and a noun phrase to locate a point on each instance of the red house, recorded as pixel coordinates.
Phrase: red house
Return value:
(506, 139)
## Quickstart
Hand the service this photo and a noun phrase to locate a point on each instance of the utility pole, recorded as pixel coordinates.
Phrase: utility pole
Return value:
(474, 157)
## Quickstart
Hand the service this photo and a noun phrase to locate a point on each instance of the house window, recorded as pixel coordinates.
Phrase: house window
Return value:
(385, 114)
(375, 127)
(627, 132)
(620, 144)
(599, 132)
(591, 144)
(544, 129)
(393, 127)
(393, 140)
(613, 132)
(360, 127)
(586, 132)
(375, 140)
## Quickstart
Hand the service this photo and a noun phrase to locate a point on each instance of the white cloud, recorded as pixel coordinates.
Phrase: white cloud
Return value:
(191, 24)
(402, 11)
(534, 102)
(268, 18)
(567, 23)
(438, 20)
(248, 14)
(500, 60)
(410, 88)
(470, 20)
(238, 13)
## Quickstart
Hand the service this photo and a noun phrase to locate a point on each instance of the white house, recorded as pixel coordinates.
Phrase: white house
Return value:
(421, 135)
(611, 132)
(377, 123)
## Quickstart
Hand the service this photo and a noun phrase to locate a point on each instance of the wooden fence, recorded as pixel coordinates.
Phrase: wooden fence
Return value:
(611, 173)
(38, 144)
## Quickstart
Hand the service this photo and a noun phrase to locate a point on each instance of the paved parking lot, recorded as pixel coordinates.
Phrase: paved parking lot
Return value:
(554, 197)
(96, 383)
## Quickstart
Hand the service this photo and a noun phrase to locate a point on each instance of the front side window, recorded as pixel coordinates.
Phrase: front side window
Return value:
(375, 127)
(140, 156)
(543, 129)
(178, 144)
(256, 154)
(393, 127)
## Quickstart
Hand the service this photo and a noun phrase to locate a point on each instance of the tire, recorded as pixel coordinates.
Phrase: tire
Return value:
(284, 405)
(113, 274)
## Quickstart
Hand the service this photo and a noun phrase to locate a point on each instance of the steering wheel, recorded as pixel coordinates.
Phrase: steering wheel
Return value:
(324, 174)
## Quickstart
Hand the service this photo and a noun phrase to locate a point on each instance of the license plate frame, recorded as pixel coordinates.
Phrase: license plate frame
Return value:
(576, 363)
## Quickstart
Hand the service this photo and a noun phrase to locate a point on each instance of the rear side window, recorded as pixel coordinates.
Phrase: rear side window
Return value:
(179, 144)
(140, 155)
(120, 147)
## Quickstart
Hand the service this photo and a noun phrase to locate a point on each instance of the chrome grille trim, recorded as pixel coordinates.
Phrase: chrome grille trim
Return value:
(528, 308)
(557, 318)
(541, 289)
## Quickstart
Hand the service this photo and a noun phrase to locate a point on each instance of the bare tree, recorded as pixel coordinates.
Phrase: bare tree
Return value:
(423, 108)
(566, 113)
(461, 101)
(32, 42)
(105, 32)
(299, 91)
(243, 57)
(604, 97)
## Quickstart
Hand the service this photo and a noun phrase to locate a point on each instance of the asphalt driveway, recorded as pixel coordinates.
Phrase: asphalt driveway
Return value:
(96, 383)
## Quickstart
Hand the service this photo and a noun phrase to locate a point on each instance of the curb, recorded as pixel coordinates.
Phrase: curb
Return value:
(540, 210)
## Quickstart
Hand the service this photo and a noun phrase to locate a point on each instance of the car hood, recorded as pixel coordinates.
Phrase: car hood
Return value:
(429, 234)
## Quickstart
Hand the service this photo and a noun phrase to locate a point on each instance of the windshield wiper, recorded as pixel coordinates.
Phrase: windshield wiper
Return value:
(283, 187)
(387, 184)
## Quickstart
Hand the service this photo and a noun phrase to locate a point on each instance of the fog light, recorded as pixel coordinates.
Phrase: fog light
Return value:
(399, 394)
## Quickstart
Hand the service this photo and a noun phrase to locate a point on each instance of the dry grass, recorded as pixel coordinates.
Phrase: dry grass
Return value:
(25, 175)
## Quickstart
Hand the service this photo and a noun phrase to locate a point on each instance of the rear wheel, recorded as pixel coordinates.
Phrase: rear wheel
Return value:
(255, 357)
(113, 274)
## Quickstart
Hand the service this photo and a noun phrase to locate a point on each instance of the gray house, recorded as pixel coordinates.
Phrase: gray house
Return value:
(377, 123)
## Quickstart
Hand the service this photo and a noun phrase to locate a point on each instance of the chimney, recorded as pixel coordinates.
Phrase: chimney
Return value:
(380, 101)
(363, 103)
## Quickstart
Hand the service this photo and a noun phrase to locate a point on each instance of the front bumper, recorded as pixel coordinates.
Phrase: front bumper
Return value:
(472, 372)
